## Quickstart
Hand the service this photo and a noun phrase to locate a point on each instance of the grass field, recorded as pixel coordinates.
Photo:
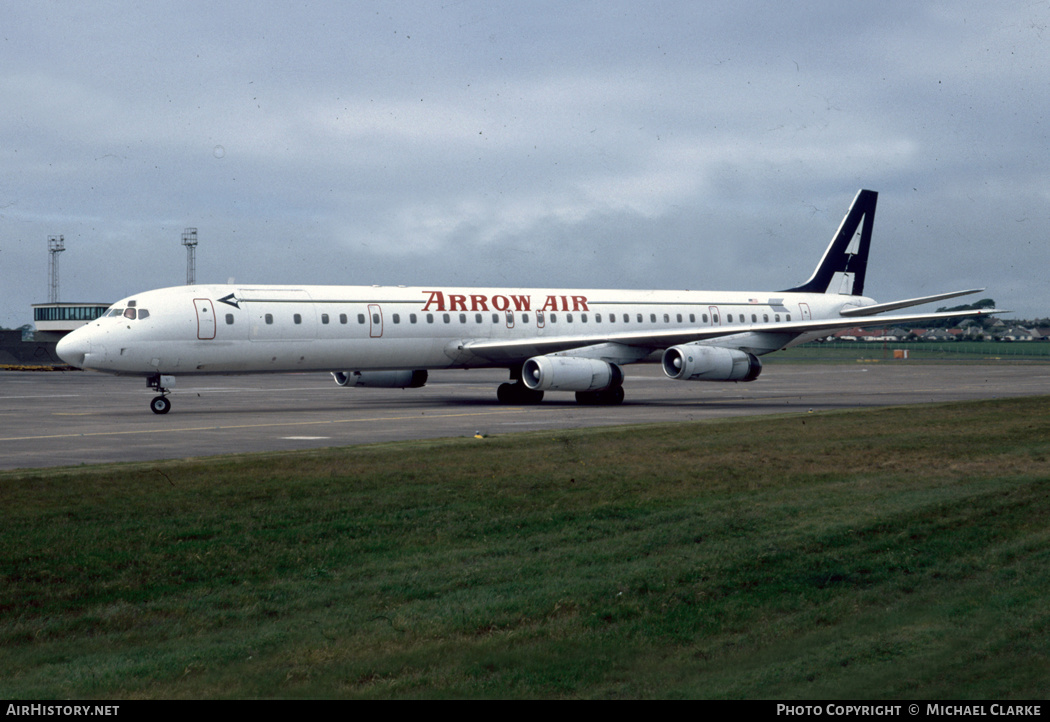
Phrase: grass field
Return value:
(953, 351)
(898, 553)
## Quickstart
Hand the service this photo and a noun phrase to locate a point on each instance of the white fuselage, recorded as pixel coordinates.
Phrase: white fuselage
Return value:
(256, 329)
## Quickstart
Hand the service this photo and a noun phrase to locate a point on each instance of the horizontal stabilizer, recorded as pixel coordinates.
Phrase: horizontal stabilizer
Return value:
(894, 305)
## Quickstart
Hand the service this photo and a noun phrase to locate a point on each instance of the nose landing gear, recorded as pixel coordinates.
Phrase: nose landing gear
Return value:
(163, 384)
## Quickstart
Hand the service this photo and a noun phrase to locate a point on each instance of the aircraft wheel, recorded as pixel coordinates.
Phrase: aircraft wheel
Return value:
(518, 393)
(505, 393)
(607, 397)
(530, 396)
(586, 398)
(160, 405)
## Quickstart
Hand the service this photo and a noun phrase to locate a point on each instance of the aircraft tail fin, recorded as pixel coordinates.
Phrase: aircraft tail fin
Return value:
(842, 268)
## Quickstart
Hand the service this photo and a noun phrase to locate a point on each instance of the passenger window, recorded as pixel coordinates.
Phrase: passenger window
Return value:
(692, 318)
(462, 318)
(430, 318)
(639, 318)
(495, 318)
(375, 319)
(583, 317)
(729, 317)
(786, 318)
(411, 318)
(361, 318)
(446, 318)
(269, 318)
(568, 318)
(765, 318)
(679, 317)
(397, 318)
(324, 318)
(229, 319)
(754, 319)
(477, 318)
(297, 318)
(554, 318)
(524, 318)
(777, 317)
(667, 318)
(342, 318)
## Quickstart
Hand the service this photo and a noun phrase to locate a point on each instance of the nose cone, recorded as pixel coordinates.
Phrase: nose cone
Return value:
(73, 348)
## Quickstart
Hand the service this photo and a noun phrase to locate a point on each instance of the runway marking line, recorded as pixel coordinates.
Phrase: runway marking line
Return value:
(255, 426)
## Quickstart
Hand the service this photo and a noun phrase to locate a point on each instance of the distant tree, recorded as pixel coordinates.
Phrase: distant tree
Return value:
(951, 323)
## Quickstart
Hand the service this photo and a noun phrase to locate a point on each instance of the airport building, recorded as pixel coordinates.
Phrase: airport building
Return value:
(52, 321)
(57, 319)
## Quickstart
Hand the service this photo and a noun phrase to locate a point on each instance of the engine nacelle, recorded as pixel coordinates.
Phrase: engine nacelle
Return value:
(697, 362)
(566, 373)
(381, 379)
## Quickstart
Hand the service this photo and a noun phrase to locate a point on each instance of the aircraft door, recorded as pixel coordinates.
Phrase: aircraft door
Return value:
(205, 318)
(541, 320)
(375, 320)
(716, 317)
(803, 308)
(510, 319)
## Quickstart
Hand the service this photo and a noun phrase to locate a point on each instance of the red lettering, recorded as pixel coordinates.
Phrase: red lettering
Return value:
(500, 303)
(456, 302)
(579, 303)
(436, 297)
(522, 303)
(478, 303)
(564, 303)
(551, 304)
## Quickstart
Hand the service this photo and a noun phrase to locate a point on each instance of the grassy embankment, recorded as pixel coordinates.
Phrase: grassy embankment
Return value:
(892, 553)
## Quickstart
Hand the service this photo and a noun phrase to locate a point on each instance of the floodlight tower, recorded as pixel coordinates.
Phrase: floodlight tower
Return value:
(189, 239)
(55, 245)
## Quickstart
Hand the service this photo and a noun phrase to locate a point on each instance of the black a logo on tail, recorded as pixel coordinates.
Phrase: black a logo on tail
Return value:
(842, 268)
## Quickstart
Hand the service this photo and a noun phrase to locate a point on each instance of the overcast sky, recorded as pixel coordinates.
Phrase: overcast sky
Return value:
(554, 144)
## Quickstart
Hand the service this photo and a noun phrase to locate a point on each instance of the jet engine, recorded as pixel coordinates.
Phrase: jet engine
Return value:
(697, 362)
(381, 379)
(566, 373)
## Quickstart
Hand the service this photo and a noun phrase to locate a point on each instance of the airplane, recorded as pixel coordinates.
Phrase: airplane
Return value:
(549, 340)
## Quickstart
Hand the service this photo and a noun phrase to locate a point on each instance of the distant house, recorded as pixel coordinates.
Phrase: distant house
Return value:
(938, 334)
(1015, 333)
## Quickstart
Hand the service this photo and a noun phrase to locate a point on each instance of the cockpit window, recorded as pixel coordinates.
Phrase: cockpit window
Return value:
(131, 313)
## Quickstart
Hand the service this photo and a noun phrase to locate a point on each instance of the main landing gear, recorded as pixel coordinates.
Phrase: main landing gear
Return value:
(517, 393)
(606, 397)
(163, 384)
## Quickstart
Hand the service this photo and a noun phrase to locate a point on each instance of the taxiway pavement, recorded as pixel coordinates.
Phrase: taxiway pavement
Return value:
(50, 419)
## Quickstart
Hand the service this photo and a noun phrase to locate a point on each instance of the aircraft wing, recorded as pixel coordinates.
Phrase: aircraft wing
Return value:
(654, 339)
(894, 305)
